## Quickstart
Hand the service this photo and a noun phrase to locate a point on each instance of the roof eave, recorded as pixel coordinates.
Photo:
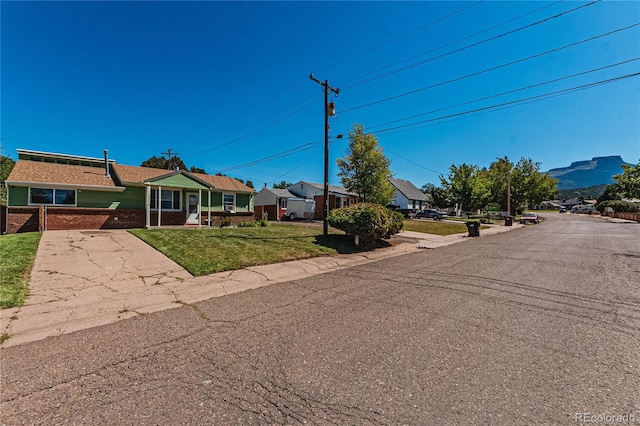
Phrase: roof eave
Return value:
(65, 186)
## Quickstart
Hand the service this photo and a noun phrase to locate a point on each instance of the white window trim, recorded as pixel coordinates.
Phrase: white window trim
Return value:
(154, 208)
(75, 197)
(224, 194)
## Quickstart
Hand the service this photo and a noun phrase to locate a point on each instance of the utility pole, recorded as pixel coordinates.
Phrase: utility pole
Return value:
(325, 210)
(509, 193)
(168, 153)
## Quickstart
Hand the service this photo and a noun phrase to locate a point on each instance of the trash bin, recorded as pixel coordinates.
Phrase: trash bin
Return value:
(508, 220)
(474, 229)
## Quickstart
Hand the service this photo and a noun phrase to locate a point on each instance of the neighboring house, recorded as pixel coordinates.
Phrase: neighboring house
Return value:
(48, 191)
(273, 201)
(407, 196)
(549, 205)
(338, 196)
(570, 203)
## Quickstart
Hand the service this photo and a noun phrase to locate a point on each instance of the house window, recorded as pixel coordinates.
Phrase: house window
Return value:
(229, 202)
(169, 199)
(52, 196)
(283, 203)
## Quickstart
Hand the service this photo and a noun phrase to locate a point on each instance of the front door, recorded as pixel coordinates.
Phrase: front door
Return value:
(192, 209)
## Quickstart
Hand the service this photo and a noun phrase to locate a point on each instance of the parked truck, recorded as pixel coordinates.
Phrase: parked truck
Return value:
(300, 208)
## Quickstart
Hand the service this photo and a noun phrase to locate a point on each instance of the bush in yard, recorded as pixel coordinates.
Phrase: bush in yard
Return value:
(366, 221)
(254, 224)
(225, 221)
(618, 206)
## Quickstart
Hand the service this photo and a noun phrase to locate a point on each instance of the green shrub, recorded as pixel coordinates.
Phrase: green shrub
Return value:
(618, 206)
(254, 224)
(368, 222)
(225, 221)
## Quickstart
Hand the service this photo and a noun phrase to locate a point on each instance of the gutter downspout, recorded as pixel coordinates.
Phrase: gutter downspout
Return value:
(147, 204)
(6, 219)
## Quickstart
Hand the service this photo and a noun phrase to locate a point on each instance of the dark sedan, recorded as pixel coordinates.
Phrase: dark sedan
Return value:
(430, 213)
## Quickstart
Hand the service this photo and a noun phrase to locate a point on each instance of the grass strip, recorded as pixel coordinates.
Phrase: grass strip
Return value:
(17, 253)
(207, 251)
(434, 227)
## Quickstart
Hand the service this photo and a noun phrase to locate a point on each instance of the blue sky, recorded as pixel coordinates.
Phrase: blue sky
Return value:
(226, 84)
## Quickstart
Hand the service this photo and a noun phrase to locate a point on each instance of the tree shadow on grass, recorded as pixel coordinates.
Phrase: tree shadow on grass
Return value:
(344, 244)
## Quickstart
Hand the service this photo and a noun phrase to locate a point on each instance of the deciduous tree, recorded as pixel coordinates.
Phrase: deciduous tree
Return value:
(628, 183)
(365, 169)
(6, 165)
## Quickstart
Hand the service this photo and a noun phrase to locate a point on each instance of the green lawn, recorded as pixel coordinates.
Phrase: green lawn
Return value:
(434, 227)
(206, 251)
(17, 252)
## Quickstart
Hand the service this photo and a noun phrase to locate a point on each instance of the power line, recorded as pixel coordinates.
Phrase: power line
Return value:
(339, 62)
(452, 117)
(299, 165)
(510, 91)
(415, 30)
(453, 42)
(286, 153)
(466, 47)
(389, 41)
(254, 131)
(519, 101)
(412, 162)
(488, 69)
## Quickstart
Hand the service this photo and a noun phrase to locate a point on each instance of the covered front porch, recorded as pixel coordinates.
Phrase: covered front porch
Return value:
(179, 196)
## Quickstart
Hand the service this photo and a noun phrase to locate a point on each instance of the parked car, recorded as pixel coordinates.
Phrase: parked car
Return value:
(529, 218)
(407, 213)
(431, 213)
(562, 210)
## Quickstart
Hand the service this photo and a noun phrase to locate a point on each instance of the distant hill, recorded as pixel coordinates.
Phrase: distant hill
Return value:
(582, 174)
(588, 193)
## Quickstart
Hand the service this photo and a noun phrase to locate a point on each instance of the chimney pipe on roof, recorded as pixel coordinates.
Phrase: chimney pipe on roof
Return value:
(106, 164)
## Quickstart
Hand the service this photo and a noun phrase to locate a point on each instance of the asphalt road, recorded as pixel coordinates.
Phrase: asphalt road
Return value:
(540, 325)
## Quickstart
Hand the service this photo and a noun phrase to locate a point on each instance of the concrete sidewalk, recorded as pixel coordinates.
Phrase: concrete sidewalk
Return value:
(84, 279)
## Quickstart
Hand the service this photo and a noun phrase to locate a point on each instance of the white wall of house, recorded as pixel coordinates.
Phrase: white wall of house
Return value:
(305, 190)
(399, 199)
(264, 197)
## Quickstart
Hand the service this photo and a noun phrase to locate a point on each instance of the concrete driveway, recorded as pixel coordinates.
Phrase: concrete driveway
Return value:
(83, 279)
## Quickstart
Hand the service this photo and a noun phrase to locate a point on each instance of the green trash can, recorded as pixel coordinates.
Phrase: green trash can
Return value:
(473, 228)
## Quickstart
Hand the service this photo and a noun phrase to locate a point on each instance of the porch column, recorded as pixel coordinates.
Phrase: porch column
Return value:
(209, 213)
(199, 207)
(147, 206)
(159, 201)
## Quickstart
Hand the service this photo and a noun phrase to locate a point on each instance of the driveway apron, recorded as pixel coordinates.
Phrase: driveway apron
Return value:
(82, 279)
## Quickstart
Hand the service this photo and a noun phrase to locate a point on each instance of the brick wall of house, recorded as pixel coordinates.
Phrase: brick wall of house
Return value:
(23, 219)
(258, 212)
(319, 199)
(31, 219)
(217, 217)
(3, 219)
(272, 211)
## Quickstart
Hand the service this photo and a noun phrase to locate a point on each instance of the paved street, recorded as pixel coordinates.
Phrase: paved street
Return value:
(540, 325)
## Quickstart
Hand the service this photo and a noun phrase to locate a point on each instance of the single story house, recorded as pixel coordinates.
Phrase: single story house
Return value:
(407, 196)
(47, 191)
(570, 203)
(273, 202)
(338, 196)
(549, 205)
